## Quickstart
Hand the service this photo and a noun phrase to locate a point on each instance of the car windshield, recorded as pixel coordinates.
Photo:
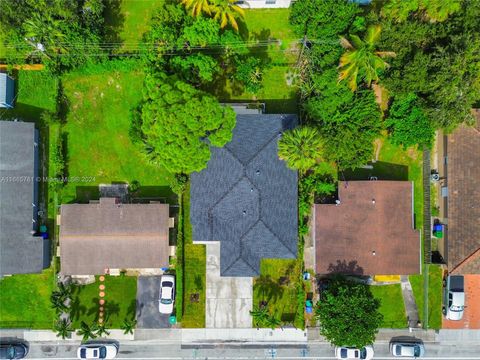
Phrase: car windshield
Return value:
(456, 308)
(83, 353)
(166, 301)
(416, 352)
(167, 284)
(343, 353)
(11, 352)
(363, 353)
(103, 352)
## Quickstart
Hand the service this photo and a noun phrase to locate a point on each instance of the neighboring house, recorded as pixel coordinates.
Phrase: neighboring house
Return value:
(246, 198)
(21, 252)
(7, 91)
(107, 236)
(258, 4)
(369, 231)
(461, 249)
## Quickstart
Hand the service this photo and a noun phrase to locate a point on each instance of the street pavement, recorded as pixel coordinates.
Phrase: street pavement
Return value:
(152, 350)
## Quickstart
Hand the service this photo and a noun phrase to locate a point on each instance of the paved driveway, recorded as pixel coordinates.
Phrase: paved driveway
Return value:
(229, 299)
(148, 316)
(471, 315)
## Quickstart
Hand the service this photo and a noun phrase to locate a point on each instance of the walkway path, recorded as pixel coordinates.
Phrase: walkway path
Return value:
(409, 301)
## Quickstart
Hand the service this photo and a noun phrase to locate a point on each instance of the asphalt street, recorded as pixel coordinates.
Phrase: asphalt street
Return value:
(162, 351)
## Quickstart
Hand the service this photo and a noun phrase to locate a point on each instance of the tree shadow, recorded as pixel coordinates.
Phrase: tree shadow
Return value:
(86, 193)
(268, 288)
(76, 308)
(379, 170)
(114, 23)
(131, 310)
(198, 282)
(344, 267)
(112, 308)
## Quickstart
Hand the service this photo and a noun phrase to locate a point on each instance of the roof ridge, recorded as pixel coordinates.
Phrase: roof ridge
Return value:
(278, 237)
(235, 261)
(263, 147)
(467, 260)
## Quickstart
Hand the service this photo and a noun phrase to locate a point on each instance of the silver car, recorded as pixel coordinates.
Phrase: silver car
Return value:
(97, 351)
(167, 294)
(407, 349)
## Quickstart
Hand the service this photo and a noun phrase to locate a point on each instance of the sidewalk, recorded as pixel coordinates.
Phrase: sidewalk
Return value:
(252, 335)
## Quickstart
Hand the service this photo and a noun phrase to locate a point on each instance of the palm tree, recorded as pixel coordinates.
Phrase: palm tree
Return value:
(361, 62)
(44, 34)
(272, 322)
(128, 326)
(58, 302)
(87, 331)
(226, 12)
(102, 330)
(63, 329)
(301, 148)
(259, 315)
(198, 7)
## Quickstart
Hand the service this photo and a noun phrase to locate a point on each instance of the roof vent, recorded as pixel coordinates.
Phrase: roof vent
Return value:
(244, 212)
(251, 189)
(257, 172)
(373, 201)
(374, 253)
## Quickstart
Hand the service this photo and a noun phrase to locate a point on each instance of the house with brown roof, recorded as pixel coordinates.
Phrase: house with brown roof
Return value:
(369, 231)
(462, 191)
(107, 236)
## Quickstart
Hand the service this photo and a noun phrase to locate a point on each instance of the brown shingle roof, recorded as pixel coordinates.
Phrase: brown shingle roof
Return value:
(464, 199)
(94, 237)
(370, 232)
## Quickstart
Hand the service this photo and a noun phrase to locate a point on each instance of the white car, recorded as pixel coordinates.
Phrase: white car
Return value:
(97, 351)
(407, 349)
(347, 352)
(167, 294)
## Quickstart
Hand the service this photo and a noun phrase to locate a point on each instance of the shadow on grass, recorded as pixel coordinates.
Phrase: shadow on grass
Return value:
(379, 170)
(114, 22)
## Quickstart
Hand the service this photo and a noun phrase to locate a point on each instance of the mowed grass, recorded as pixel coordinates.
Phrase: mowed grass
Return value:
(120, 301)
(194, 274)
(280, 294)
(99, 149)
(391, 305)
(136, 21)
(434, 295)
(25, 301)
(270, 24)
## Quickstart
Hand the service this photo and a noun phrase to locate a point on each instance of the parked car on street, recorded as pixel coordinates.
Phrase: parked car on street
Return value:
(97, 351)
(407, 349)
(453, 297)
(167, 294)
(13, 350)
(347, 352)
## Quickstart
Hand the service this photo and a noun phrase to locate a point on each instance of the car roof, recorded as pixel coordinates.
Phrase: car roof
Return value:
(407, 349)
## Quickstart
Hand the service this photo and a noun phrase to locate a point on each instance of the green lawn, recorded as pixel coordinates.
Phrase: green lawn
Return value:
(392, 306)
(99, 149)
(280, 294)
(434, 295)
(120, 301)
(25, 301)
(264, 24)
(194, 273)
(136, 19)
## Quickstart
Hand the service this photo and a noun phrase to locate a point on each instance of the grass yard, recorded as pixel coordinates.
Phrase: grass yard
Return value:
(25, 301)
(276, 285)
(434, 295)
(120, 301)
(99, 149)
(264, 24)
(194, 273)
(136, 19)
(392, 307)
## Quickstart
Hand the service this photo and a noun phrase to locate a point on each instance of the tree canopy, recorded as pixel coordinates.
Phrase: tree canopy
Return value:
(348, 313)
(179, 124)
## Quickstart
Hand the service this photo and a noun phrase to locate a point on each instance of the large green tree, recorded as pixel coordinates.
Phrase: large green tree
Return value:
(439, 62)
(61, 33)
(433, 10)
(179, 124)
(348, 314)
(407, 123)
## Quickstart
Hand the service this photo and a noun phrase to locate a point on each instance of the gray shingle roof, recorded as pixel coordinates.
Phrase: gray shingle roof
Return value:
(20, 252)
(7, 91)
(246, 198)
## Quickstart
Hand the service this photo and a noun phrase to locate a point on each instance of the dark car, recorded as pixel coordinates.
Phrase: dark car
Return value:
(13, 350)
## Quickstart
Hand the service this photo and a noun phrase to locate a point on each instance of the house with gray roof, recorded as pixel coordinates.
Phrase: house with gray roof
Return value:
(21, 252)
(7, 91)
(246, 198)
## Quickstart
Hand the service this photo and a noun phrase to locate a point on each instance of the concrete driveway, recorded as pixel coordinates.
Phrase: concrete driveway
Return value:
(148, 316)
(229, 299)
